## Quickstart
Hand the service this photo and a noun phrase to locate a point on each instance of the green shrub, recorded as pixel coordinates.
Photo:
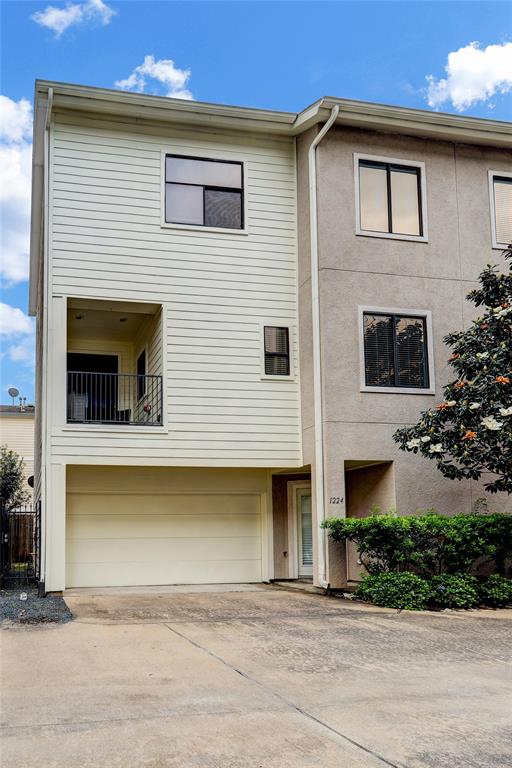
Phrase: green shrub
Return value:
(495, 590)
(395, 590)
(384, 542)
(453, 591)
(428, 544)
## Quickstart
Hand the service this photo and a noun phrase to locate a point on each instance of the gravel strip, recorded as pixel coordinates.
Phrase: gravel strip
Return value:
(33, 610)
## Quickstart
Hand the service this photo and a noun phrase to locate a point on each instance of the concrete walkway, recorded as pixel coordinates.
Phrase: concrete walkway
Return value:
(255, 677)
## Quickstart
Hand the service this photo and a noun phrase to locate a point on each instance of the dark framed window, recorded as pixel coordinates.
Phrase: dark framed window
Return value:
(390, 198)
(502, 196)
(277, 350)
(205, 193)
(395, 350)
(141, 375)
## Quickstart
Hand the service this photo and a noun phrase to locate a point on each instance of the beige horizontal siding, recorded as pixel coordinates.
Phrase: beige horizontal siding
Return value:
(17, 433)
(215, 289)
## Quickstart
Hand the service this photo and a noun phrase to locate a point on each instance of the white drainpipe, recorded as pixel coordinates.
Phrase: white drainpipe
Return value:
(317, 371)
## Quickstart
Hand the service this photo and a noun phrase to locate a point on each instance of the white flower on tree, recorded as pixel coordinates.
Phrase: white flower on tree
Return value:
(491, 423)
(468, 435)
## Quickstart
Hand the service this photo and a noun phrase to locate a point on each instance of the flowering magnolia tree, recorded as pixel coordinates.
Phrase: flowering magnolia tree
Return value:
(470, 432)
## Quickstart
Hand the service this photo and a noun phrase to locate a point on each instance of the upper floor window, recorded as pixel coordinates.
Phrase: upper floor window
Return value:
(390, 198)
(206, 193)
(396, 351)
(501, 208)
(276, 342)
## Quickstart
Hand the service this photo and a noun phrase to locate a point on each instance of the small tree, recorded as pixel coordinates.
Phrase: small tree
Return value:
(13, 491)
(470, 432)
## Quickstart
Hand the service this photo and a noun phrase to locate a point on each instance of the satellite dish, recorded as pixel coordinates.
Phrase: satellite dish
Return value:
(13, 392)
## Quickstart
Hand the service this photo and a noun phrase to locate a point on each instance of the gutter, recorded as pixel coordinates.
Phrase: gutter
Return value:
(317, 371)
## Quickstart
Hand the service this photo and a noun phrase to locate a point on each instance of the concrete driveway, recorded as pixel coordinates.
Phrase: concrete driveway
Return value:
(255, 677)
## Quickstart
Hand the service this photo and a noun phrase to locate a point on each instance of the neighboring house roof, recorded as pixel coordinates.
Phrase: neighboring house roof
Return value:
(14, 410)
(162, 109)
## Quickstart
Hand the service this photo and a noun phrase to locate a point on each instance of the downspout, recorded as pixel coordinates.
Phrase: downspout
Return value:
(317, 371)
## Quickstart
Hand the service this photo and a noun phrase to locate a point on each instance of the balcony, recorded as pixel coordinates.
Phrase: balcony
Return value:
(114, 363)
(114, 398)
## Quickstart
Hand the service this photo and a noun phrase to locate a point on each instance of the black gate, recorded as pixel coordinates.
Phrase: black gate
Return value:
(20, 544)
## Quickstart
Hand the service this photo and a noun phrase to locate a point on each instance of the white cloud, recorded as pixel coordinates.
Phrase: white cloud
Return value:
(23, 353)
(473, 74)
(14, 322)
(163, 72)
(60, 19)
(15, 172)
(17, 332)
(15, 119)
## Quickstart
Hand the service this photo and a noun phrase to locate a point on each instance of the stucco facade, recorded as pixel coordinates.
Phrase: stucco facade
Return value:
(379, 272)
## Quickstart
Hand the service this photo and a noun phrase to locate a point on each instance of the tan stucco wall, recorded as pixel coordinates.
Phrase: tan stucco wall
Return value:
(357, 271)
(366, 488)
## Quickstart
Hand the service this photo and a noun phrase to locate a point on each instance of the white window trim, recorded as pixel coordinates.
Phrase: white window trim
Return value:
(119, 429)
(423, 184)
(424, 313)
(201, 155)
(491, 175)
(292, 347)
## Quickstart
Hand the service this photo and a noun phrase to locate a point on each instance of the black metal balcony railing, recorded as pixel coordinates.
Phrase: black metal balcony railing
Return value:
(114, 398)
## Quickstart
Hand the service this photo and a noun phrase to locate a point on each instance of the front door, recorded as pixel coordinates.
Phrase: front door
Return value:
(304, 532)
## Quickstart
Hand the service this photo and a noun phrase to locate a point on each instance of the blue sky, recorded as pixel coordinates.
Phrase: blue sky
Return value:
(262, 54)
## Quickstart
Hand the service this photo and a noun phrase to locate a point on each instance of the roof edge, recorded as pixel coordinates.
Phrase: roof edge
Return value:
(165, 109)
(442, 126)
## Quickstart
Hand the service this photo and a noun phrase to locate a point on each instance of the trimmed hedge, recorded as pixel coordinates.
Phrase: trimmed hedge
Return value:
(495, 591)
(407, 591)
(453, 591)
(429, 544)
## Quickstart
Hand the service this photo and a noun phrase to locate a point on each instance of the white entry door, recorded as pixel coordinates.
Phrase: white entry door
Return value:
(304, 532)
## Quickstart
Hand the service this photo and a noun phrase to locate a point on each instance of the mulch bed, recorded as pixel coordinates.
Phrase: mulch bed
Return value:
(15, 611)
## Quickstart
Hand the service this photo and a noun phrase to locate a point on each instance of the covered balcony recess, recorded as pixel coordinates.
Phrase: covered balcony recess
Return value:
(114, 363)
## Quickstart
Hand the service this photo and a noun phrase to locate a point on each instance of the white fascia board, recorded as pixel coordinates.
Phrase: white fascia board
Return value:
(164, 109)
(440, 126)
(436, 125)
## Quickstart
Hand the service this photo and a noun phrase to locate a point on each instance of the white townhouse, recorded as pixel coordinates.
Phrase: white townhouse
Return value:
(164, 280)
(177, 249)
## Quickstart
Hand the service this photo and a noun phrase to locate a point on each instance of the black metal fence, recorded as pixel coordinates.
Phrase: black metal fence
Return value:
(20, 544)
(114, 398)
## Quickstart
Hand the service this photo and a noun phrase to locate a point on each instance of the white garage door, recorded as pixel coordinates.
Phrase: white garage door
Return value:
(178, 538)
